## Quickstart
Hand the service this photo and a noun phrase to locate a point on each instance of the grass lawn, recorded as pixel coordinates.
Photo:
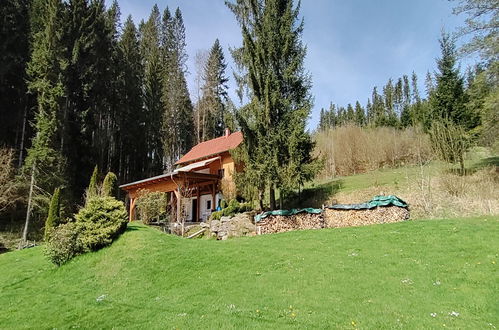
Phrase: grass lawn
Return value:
(416, 274)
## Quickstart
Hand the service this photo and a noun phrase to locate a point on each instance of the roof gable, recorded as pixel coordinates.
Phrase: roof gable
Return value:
(212, 147)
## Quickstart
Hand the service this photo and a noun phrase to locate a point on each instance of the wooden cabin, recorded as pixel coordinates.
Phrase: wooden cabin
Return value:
(194, 186)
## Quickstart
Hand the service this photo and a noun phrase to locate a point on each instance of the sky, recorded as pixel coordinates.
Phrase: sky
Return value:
(352, 45)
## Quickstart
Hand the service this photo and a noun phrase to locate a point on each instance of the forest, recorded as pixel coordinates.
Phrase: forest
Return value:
(81, 88)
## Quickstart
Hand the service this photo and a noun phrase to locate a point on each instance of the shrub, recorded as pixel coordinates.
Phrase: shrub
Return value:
(231, 209)
(93, 186)
(151, 206)
(228, 188)
(351, 149)
(110, 185)
(101, 220)
(63, 243)
(54, 215)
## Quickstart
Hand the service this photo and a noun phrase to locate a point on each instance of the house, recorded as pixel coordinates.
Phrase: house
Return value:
(193, 187)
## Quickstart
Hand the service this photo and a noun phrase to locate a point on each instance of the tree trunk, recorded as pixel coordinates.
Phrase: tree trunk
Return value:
(28, 211)
(21, 146)
(461, 163)
(281, 194)
(272, 197)
(260, 199)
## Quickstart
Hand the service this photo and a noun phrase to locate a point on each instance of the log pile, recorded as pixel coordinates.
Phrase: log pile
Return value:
(350, 218)
(279, 223)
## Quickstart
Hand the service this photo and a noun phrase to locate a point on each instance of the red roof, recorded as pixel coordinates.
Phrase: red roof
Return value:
(212, 147)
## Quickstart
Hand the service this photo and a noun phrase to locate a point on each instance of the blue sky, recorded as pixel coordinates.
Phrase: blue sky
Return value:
(353, 45)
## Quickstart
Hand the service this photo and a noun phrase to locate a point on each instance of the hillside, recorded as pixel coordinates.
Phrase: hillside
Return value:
(421, 274)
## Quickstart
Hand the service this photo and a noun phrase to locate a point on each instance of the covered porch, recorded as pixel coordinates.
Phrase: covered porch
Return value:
(187, 191)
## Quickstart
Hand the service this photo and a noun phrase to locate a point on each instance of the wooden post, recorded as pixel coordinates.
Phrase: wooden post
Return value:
(213, 192)
(177, 195)
(132, 209)
(198, 196)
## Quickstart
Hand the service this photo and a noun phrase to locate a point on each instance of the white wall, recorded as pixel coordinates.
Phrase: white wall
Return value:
(204, 212)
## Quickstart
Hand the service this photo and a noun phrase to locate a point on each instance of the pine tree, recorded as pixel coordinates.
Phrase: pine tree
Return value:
(214, 98)
(360, 116)
(277, 149)
(153, 104)
(350, 114)
(378, 108)
(54, 213)
(132, 122)
(14, 55)
(178, 121)
(447, 100)
(44, 162)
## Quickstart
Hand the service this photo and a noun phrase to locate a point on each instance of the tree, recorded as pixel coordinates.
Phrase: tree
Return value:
(14, 55)
(133, 120)
(360, 115)
(178, 121)
(447, 99)
(277, 149)
(449, 142)
(153, 70)
(214, 98)
(44, 163)
(482, 25)
(54, 213)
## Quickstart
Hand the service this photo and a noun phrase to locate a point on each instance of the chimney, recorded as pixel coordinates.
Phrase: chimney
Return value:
(227, 132)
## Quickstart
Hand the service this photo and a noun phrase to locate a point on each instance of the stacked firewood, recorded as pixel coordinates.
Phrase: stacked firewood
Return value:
(279, 223)
(348, 218)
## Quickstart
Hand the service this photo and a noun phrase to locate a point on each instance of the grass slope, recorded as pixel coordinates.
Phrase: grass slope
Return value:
(383, 276)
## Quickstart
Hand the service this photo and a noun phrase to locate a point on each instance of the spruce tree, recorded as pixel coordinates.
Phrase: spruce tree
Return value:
(177, 118)
(54, 213)
(44, 163)
(14, 55)
(360, 116)
(214, 99)
(350, 114)
(153, 71)
(277, 149)
(133, 121)
(447, 100)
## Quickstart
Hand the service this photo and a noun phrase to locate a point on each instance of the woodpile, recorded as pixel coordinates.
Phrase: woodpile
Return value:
(349, 218)
(280, 223)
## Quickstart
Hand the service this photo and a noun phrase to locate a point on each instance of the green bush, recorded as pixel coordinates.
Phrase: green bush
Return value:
(151, 206)
(216, 215)
(63, 243)
(54, 216)
(110, 185)
(232, 208)
(93, 186)
(101, 220)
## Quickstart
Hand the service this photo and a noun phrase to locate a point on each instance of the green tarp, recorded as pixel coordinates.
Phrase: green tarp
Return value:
(263, 215)
(375, 202)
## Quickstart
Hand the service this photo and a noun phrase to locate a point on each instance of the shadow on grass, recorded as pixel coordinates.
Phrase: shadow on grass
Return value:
(484, 163)
(133, 227)
(314, 196)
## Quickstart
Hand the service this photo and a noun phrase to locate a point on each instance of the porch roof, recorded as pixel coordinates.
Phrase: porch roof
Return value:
(175, 175)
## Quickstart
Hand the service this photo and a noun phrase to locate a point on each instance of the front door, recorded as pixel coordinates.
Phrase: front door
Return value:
(195, 210)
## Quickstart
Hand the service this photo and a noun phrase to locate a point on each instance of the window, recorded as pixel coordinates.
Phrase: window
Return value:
(221, 173)
(208, 205)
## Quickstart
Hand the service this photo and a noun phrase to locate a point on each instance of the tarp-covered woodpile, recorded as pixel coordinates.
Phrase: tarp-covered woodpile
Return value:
(381, 209)
(283, 223)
